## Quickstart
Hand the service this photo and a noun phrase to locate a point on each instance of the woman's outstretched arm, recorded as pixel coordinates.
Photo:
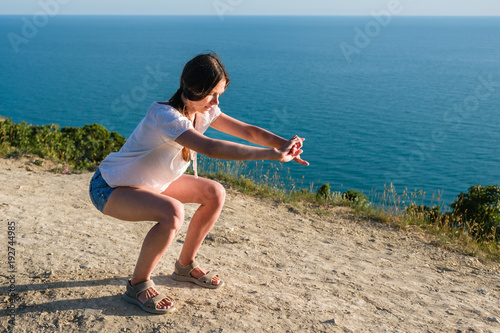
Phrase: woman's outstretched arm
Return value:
(251, 133)
(227, 150)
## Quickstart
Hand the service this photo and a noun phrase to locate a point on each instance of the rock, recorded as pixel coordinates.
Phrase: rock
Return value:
(330, 321)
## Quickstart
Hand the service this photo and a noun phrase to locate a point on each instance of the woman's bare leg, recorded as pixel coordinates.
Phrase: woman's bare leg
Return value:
(144, 204)
(210, 195)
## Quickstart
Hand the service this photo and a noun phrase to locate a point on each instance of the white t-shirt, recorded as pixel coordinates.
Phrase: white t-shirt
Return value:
(150, 156)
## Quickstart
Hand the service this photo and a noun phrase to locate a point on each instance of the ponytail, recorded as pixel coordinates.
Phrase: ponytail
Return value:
(176, 102)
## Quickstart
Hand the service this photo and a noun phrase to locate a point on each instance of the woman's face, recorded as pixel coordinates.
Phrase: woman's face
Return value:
(212, 99)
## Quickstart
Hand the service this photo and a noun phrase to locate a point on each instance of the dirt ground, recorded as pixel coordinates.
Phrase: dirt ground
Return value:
(285, 271)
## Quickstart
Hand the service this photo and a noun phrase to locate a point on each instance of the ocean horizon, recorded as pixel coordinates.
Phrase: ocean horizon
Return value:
(407, 100)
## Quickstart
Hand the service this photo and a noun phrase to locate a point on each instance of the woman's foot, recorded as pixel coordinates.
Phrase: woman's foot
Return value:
(150, 293)
(194, 274)
(198, 273)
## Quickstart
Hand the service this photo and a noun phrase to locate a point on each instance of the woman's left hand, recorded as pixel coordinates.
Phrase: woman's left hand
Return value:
(296, 148)
(297, 158)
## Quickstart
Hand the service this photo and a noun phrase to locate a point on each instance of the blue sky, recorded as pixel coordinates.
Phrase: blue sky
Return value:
(253, 7)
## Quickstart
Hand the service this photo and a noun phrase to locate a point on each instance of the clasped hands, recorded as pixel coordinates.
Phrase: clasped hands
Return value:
(292, 150)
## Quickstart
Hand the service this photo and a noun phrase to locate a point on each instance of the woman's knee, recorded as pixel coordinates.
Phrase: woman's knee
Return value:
(215, 193)
(172, 216)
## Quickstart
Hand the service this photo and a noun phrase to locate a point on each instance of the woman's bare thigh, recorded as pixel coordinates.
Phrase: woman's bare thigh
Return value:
(189, 189)
(141, 204)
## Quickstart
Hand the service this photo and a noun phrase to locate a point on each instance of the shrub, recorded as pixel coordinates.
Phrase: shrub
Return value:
(82, 147)
(478, 212)
(353, 195)
(324, 191)
(357, 198)
(432, 215)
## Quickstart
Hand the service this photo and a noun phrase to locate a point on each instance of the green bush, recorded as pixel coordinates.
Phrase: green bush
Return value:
(432, 215)
(478, 212)
(82, 147)
(354, 196)
(357, 198)
(324, 191)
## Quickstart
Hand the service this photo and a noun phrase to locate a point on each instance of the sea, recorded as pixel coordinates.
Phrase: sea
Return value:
(408, 101)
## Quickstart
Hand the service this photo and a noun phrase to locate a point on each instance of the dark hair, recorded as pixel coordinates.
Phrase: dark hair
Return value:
(199, 77)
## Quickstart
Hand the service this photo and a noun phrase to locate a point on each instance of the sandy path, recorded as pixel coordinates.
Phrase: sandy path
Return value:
(284, 271)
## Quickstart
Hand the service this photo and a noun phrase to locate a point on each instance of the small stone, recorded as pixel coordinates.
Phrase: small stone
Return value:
(331, 321)
(493, 320)
(482, 291)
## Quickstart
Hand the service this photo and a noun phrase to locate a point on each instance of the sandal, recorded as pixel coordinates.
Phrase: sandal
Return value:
(184, 275)
(150, 305)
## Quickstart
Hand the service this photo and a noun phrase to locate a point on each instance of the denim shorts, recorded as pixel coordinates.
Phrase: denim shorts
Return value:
(99, 190)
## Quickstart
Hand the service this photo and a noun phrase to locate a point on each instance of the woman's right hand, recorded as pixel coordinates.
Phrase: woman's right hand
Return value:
(291, 150)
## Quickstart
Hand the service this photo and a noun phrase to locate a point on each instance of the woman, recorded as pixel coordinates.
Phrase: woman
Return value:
(145, 180)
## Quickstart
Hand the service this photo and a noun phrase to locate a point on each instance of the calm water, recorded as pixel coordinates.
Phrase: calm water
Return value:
(415, 102)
